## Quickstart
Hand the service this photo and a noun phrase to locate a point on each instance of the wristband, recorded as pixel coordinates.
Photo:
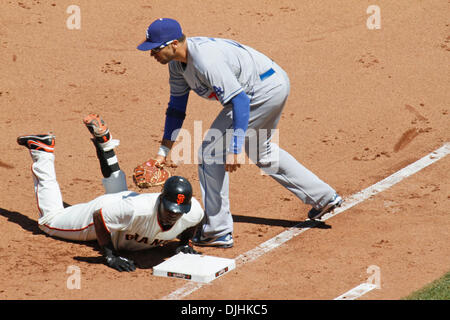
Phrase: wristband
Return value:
(163, 151)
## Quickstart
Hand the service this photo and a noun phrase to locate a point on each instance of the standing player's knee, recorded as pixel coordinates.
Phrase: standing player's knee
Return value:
(267, 157)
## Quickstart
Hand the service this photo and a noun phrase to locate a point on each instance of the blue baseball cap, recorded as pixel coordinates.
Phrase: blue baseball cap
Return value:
(159, 32)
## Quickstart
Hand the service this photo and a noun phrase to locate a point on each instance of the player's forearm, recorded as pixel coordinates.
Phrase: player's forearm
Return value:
(186, 245)
(167, 143)
(187, 235)
(241, 114)
(175, 115)
(107, 248)
(103, 235)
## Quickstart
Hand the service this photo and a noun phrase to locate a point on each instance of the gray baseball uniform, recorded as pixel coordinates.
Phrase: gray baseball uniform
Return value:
(219, 69)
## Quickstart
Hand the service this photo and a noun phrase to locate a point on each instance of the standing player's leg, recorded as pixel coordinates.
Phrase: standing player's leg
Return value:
(217, 229)
(279, 164)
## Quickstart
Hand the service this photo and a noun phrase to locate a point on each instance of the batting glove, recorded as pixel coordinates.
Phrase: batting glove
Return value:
(120, 263)
(187, 248)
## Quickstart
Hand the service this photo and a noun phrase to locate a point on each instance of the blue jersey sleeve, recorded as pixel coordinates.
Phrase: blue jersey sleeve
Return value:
(241, 114)
(175, 114)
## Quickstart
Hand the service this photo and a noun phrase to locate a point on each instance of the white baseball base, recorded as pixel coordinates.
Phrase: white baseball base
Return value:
(194, 267)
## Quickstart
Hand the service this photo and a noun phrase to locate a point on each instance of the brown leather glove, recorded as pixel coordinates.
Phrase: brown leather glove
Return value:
(149, 174)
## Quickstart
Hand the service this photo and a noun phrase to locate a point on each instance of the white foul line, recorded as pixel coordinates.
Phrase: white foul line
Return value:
(349, 202)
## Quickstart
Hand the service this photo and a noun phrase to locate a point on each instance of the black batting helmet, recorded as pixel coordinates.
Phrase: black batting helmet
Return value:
(177, 194)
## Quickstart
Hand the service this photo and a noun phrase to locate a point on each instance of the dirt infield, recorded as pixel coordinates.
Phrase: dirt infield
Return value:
(364, 104)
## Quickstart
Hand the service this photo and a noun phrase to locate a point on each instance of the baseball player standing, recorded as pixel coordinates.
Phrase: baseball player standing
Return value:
(253, 90)
(119, 219)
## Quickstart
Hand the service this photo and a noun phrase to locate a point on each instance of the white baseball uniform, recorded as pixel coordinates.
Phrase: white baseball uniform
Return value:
(130, 217)
(219, 69)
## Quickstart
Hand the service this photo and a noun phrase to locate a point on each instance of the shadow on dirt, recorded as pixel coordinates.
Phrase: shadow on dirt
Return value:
(144, 259)
(282, 223)
(22, 220)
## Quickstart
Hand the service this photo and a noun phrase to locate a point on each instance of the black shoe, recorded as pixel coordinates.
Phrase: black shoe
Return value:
(42, 142)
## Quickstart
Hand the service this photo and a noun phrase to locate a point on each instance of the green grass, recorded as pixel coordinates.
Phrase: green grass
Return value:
(437, 290)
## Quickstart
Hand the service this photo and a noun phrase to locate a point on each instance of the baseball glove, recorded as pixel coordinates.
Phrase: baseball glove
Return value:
(149, 174)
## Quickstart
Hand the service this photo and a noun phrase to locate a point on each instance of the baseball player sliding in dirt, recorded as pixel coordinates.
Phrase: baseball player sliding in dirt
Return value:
(120, 219)
(253, 90)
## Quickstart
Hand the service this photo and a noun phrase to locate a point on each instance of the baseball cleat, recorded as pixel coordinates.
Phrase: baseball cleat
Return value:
(97, 127)
(41, 142)
(225, 241)
(314, 214)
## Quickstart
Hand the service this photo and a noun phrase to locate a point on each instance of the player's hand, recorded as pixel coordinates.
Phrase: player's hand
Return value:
(120, 263)
(232, 163)
(160, 159)
(186, 249)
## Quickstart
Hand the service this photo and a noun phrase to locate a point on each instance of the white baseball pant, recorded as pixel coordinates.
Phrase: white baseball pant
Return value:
(74, 222)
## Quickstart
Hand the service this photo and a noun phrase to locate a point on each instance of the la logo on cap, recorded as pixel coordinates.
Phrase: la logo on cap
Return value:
(160, 32)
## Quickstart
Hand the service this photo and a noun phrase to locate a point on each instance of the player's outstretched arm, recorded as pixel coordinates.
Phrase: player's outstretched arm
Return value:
(186, 245)
(107, 248)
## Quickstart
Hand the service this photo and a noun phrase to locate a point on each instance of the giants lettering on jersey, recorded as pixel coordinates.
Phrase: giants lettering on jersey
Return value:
(136, 237)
